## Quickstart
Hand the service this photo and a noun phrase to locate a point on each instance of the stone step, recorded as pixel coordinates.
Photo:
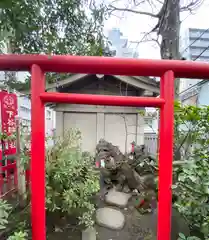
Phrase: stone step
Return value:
(118, 199)
(110, 218)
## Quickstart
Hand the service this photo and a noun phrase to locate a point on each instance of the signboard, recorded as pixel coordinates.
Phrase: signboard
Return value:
(8, 125)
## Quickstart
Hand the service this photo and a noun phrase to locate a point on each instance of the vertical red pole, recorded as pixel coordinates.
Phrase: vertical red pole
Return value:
(166, 156)
(38, 155)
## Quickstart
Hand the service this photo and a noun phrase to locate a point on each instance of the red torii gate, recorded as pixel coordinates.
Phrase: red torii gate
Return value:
(166, 69)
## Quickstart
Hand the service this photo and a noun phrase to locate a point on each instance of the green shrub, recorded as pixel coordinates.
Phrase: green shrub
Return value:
(192, 185)
(193, 189)
(19, 236)
(183, 237)
(5, 209)
(70, 178)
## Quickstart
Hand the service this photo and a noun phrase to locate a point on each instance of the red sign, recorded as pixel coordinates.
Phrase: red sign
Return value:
(8, 125)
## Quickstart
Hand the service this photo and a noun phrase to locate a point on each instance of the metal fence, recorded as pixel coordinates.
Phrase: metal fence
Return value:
(151, 142)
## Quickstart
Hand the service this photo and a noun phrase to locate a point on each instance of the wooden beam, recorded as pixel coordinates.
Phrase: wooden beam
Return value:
(139, 84)
(67, 81)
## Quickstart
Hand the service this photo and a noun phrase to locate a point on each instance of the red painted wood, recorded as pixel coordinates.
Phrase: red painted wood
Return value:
(91, 99)
(105, 65)
(166, 156)
(38, 215)
(112, 66)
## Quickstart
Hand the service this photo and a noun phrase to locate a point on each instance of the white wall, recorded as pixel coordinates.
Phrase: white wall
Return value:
(96, 122)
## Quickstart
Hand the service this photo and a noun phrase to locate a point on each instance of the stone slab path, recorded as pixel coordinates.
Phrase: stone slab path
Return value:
(110, 218)
(117, 219)
(132, 229)
(118, 199)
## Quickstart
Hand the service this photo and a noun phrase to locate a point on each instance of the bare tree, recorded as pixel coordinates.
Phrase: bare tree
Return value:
(167, 15)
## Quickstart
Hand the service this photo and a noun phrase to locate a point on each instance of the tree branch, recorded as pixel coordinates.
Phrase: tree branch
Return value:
(113, 8)
(154, 29)
(161, 2)
(194, 4)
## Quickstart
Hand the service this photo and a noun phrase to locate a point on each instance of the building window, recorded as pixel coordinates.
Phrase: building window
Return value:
(24, 109)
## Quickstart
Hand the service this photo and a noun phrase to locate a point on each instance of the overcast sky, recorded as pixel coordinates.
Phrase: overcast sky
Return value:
(133, 26)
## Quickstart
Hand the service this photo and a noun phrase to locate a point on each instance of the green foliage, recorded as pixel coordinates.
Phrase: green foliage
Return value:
(51, 27)
(4, 136)
(191, 126)
(70, 179)
(19, 236)
(193, 179)
(141, 112)
(5, 209)
(183, 237)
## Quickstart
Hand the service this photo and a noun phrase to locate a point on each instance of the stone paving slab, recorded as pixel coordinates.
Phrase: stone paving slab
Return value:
(118, 199)
(110, 218)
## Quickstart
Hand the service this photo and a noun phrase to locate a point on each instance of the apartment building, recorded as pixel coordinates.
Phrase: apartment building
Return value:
(194, 45)
(120, 45)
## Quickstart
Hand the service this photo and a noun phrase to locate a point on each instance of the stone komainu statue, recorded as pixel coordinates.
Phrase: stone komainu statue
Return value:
(118, 169)
(112, 157)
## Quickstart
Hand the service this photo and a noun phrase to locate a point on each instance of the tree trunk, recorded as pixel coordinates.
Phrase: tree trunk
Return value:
(169, 27)
(10, 76)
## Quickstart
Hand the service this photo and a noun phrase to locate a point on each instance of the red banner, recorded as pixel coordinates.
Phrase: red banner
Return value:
(8, 125)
